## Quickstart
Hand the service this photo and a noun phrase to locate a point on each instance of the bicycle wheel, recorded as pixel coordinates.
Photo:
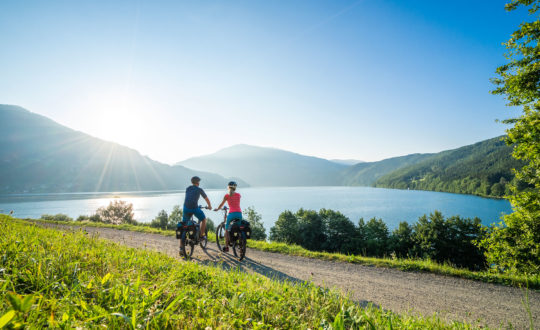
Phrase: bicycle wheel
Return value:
(183, 252)
(220, 236)
(239, 247)
(204, 241)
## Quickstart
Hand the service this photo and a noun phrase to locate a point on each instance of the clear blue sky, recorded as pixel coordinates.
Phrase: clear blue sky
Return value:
(365, 79)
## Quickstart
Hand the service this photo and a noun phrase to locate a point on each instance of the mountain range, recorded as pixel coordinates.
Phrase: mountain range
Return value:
(269, 167)
(39, 155)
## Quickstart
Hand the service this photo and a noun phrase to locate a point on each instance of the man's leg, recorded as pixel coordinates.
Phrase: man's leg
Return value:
(203, 227)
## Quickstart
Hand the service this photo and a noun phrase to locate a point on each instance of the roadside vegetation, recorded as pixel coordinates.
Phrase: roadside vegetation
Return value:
(337, 234)
(50, 278)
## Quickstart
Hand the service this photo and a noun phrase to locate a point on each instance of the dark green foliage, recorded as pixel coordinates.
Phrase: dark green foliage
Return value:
(311, 230)
(443, 240)
(451, 239)
(285, 229)
(56, 217)
(341, 235)
(255, 220)
(401, 242)
(515, 245)
(484, 169)
(376, 241)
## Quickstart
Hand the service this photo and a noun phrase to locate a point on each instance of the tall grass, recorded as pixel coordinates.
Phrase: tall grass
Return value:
(423, 265)
(50, 278)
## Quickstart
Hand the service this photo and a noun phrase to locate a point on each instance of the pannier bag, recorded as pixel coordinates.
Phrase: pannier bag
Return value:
(183, 226)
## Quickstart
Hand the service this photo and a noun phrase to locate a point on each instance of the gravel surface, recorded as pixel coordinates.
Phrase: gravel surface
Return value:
(451, 298)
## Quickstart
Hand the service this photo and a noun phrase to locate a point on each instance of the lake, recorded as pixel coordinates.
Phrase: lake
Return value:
(391, 205)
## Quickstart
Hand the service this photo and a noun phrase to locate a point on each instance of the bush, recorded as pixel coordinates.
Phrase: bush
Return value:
(255, 220)
(210, 225)
(117, 212)
(453, 239)
(161, 221)
(56, 217)
(285, 229)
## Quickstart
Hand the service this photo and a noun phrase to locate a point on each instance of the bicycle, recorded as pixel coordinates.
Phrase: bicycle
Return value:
(188, 232)
(238, 234)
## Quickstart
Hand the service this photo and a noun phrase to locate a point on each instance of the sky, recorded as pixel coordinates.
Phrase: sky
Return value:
(366, 80)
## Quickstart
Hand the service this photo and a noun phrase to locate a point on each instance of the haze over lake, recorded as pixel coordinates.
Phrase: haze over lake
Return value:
(391, 205)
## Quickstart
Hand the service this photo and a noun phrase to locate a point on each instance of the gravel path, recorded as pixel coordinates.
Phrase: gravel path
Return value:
(402, 292)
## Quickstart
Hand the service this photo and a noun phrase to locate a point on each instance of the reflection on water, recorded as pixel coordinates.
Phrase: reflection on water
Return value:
(391, 205)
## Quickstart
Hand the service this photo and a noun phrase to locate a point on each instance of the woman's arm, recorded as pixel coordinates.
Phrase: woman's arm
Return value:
(221, 205)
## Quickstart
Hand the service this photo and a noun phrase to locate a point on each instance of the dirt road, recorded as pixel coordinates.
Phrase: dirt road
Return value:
(402, 292)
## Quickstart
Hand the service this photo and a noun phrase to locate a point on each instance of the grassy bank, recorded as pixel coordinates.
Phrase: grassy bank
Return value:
(532, 282)
(50, 278)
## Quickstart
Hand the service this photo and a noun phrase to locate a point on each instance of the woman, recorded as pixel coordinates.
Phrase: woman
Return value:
(235, 212)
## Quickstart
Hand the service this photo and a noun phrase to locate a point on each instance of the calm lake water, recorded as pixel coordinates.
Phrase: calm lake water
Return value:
(391, 205)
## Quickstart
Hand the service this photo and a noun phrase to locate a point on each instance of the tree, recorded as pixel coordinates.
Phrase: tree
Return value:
(515, 244)
(401, 242)
(117, 212)
(161, 221)
(175, 217)
(285, 229)
(340, 232)
(311, 230)
(255, 220)
(376, 237)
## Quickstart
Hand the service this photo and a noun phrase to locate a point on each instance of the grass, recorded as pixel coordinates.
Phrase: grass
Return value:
(422, 265)
(50, 278)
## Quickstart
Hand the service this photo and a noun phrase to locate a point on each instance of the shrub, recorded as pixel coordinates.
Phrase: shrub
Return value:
(161, 221)
(117, 212)
(255, 220)
(56, 217)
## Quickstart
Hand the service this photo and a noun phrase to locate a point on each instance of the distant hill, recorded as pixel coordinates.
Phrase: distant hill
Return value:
(483, 168)
(366, 174)
(269, 167)
(346, 161)
(39, 155)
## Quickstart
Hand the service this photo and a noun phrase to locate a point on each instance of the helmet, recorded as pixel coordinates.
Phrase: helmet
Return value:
(195, 179)
(232, 184)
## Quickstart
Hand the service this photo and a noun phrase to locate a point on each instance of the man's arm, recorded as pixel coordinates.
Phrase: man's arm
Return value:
(208, 202)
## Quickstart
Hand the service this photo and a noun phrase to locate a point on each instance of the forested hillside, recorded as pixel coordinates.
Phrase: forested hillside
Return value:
(365, 174)
(40, 155)
(484, 168)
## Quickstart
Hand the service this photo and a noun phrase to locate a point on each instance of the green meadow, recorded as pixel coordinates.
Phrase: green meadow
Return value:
(405, 264)
(50, 278)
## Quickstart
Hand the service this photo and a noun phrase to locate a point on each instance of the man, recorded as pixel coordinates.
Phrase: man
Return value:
(191, 203)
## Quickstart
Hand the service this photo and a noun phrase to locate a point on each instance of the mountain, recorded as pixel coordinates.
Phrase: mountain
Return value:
(39, 155)
(366, 174)
(346, 161)
(483, 168)
(269, 167)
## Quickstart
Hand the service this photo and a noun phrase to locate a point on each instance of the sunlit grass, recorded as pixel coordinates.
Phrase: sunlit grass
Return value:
(423, 265)
(50, 278)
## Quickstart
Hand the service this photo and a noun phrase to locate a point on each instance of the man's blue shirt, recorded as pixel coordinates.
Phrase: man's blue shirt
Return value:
(192, 197)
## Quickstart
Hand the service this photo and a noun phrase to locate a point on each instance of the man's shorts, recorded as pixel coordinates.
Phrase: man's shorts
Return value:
(196, 212)
(232, 215)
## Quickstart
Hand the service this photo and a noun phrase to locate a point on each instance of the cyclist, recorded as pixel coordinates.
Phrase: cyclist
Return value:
(191, 203)
(235, 212)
